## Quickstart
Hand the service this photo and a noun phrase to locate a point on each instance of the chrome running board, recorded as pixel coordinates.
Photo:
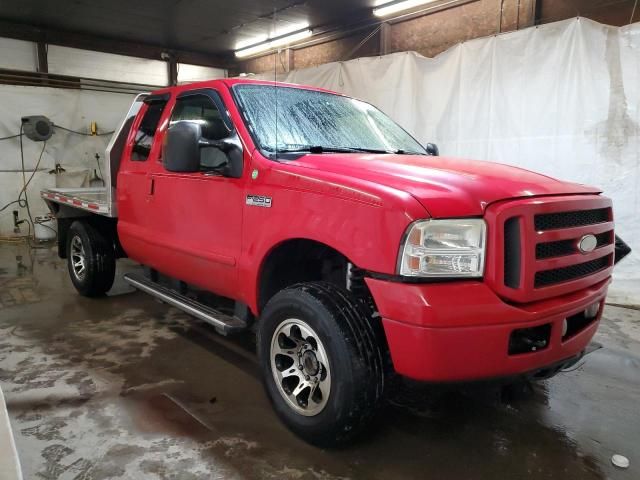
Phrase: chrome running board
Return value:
(223, 323)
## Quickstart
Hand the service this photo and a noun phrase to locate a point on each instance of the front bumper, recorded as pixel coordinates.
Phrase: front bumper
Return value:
(460, 331)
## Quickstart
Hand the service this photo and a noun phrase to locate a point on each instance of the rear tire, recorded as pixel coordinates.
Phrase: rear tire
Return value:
(311, 333)
(90, 259)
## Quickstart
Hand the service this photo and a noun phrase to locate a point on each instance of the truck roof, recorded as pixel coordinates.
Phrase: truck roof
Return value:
(230, 82)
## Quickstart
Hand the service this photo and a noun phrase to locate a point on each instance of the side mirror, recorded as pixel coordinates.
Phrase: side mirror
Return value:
(187, 151)
(432, 149)
(231, 148)
(182, 148)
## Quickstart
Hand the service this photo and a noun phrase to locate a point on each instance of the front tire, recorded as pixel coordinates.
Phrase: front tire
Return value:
(321, 362)
(90, 260)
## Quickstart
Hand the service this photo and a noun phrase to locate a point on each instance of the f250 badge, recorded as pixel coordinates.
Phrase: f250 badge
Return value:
(259, 201)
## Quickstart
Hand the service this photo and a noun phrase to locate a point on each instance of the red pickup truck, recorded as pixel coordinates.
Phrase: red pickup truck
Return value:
(353, 251)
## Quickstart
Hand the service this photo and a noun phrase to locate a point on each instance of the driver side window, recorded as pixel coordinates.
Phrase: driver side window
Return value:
(202, 110)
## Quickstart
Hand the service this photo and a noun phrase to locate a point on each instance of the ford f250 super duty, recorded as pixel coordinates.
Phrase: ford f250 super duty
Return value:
(354, 252)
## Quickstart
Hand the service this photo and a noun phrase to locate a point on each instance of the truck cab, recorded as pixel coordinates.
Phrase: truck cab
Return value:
(355, 253)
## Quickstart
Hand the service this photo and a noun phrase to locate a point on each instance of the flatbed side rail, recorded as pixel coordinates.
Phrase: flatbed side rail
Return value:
(75, 201)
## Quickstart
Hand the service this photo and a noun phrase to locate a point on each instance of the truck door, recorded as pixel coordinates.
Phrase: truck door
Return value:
(197, 217)
(134, 180)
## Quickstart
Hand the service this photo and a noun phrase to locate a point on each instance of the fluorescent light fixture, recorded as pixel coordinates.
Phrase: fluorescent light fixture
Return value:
(279, 31)
(251, 41)
(282, 30)
(389, 8)
(278, 39)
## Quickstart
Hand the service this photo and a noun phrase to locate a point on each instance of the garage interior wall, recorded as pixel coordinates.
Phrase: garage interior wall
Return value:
(196, 73)
(74, 109)
(562, 99)
(18, 55)
(440, 27)
(516, 98)
(106, 66)
(122, 68)
(70, 108)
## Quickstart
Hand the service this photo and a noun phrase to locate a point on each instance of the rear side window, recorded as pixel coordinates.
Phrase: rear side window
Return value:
(146, 131)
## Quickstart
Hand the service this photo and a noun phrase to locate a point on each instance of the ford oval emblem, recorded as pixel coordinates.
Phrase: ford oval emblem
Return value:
(587, 243)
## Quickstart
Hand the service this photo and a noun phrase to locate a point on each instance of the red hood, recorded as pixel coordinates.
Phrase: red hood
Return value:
(445, 186)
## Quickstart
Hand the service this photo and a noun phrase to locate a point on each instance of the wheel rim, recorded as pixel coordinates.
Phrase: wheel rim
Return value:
(300, 367)
(78, 258)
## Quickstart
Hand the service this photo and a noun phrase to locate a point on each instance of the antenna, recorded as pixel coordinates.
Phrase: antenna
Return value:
(275, 75)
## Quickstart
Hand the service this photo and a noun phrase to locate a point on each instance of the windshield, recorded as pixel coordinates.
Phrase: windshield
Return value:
(309, 120)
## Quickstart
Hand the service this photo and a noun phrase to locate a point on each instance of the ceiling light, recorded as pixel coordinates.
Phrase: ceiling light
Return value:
(278, 31)
(389, 8)
(251, 41)
(274, 42)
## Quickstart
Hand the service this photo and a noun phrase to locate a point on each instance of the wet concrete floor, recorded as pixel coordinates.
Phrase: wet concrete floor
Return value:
(125, 387)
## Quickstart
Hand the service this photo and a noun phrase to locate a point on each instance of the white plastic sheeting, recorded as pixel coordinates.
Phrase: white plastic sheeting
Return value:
(74, 109)
(562, 99)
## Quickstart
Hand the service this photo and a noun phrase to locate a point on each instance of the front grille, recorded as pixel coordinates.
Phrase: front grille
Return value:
(567, 247)
(572, 272)
(534, 242)
(512, 256)
(603, 239)
(555, 249)
(553, 221)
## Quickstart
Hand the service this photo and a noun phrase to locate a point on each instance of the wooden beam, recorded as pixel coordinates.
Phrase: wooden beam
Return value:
(172, 66)
(385, 38)
(537, 12)
(43, 63)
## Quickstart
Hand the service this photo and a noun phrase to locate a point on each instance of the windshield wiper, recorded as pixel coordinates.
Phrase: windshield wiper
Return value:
(407, 152)
(321, 149)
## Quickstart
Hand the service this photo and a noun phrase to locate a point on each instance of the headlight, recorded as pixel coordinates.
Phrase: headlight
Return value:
(444, 248)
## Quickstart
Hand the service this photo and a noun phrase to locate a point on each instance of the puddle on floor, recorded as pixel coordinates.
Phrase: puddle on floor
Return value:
(164, 414)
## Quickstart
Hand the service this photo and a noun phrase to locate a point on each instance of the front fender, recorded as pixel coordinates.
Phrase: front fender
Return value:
(368, 233)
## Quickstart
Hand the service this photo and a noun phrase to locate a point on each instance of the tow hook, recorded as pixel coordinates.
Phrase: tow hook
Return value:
(534, 344)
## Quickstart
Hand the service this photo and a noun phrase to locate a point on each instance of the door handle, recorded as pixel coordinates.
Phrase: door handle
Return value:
(152, 186)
